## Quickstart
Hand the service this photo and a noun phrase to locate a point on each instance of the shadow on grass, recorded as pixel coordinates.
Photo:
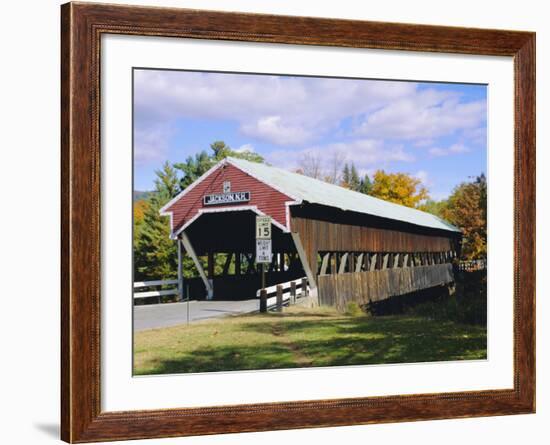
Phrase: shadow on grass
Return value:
(290, 315)
(334, 342)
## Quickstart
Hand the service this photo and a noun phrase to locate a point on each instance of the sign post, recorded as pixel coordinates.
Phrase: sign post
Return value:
(263, 252)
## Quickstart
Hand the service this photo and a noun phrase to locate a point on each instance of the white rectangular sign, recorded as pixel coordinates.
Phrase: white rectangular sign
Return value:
(226, 198)
(263, 251)
(263, 227)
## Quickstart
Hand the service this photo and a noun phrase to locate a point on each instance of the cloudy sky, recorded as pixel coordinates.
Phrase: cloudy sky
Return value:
(436, 132)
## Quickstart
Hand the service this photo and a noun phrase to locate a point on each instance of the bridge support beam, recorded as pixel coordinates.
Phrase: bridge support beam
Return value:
(359, 263)
(342, 267)
(324, 265)
(191, 252)
(312, 279)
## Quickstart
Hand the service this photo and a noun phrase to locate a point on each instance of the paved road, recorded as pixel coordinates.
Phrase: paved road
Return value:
(170, 314)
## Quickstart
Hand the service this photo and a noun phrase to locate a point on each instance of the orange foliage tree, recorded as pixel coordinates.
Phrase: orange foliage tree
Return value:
(399, 188)
(140, 207)
(467, 208)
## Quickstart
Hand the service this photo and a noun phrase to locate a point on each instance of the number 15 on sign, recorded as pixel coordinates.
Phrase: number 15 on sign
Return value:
(263, 227)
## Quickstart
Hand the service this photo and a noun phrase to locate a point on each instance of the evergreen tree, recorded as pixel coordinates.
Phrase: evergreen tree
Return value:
(346, 176)
(366, 185)
(481, 181)
(354, 180)
(194, 167)
(155, 255)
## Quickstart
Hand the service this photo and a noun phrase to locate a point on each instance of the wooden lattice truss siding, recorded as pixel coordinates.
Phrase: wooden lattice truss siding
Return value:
(367, 263)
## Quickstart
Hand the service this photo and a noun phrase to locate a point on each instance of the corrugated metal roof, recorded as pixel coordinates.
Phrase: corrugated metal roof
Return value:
(319, 192)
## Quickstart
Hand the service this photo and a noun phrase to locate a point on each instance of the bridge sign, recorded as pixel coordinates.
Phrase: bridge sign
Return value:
(263, 251)
(226, 198)
(263, 227)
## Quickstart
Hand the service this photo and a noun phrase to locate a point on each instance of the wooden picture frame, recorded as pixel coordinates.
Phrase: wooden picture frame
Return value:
(82, 26)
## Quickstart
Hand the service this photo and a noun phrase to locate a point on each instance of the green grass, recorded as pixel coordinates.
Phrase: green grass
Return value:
(305, 338)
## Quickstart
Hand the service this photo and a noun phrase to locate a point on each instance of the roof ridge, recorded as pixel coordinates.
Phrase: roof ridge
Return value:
(340, 189)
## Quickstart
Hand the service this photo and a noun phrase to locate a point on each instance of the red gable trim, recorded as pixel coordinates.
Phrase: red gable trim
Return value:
(264, 198)
(164, 210)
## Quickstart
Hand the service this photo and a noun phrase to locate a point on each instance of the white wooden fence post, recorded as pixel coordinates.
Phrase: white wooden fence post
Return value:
(180, 272)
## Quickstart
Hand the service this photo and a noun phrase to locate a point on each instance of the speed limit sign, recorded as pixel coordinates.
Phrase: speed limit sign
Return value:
(263, 227)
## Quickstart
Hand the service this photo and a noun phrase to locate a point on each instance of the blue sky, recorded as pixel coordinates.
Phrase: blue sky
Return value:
(436, 132)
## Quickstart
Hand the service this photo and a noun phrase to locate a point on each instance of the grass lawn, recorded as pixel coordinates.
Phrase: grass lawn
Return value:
(304, 338)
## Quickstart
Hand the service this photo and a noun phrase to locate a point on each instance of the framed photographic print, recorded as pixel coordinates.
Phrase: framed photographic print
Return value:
(276, 222)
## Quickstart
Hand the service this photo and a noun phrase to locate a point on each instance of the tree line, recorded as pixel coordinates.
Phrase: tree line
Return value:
(155, 255)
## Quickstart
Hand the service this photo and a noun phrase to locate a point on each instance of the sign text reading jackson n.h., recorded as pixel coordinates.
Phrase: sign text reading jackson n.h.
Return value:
(226, 198)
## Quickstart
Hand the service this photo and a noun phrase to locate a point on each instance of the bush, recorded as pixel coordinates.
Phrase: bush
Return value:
(467, 305)
(353, 309)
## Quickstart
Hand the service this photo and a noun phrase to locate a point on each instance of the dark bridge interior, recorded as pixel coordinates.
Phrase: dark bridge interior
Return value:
(228, 239)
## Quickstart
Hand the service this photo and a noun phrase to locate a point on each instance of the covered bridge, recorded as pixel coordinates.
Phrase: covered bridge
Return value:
(349, 245)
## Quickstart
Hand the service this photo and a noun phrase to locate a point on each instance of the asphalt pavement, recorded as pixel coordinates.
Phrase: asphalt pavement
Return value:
(153, 316)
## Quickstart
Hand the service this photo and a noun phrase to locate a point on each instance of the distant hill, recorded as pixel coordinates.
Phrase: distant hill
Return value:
(141, 195)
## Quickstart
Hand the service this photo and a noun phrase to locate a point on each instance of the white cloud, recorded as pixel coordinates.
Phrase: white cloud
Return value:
(477, 136)
(453, 149)
(245, 148)
(439, 195)
(423, 176)
(277, 109)
(273, 129)
(424, 116)
(381, 116)
(151, 142)
(366, 154)
(424, 143)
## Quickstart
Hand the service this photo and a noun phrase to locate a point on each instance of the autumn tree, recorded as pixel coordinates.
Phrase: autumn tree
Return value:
(467, 209)
(140, 207)
(399, 188)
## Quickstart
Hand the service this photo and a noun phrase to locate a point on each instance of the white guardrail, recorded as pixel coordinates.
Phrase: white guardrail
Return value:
(155, 293)
(287, 292)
